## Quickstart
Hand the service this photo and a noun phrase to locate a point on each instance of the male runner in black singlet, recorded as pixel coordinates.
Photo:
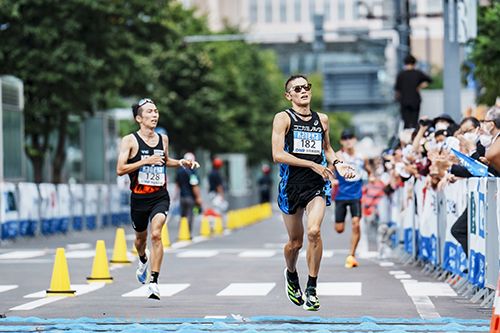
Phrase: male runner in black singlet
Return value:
(302, 147)
(144, 156)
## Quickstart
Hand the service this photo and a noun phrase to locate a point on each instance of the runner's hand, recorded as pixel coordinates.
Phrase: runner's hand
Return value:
(189, 163)
(154, 160)
(345, 170)
(323, 171)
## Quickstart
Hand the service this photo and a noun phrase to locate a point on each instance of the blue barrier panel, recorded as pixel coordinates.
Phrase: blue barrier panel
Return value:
(408, 214)
(454, 258)
(77, 205)
(64, 205)
(91, 198)
(9, 217)
(104, 205)
(477, 244)
(29, 215)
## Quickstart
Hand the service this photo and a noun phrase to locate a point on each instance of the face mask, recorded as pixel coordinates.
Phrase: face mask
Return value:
(471, 136)
(485, 140)
(486, 129)
(441, 126)
(388, 165)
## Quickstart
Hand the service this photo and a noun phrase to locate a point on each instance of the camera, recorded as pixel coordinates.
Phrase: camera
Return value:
(425, 122)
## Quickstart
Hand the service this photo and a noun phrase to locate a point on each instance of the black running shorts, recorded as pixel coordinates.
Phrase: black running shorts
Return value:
(143, 207)
(297, 195)
(341, 209)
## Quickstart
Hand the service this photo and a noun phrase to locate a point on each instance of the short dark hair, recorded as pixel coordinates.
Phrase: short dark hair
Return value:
(293, 77)
(473, 120)
(410, 60)
(135, 110)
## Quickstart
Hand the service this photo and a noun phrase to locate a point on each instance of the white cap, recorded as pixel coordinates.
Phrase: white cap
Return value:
(189, 156)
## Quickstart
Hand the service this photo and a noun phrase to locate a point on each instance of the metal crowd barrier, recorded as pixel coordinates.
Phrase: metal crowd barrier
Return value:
(424, 218)
(29, 210)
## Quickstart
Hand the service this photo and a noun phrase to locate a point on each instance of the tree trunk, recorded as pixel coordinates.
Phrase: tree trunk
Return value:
(37, 163)
(60, 155)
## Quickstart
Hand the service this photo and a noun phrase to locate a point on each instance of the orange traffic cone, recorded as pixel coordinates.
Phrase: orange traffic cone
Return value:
(495, 316)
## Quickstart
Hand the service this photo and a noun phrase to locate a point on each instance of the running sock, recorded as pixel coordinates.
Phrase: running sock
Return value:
(154, 277)
(144, 258)
(292, 276)
(311, 282)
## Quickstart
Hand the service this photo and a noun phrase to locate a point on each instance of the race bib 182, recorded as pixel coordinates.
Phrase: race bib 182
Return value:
(307, 142)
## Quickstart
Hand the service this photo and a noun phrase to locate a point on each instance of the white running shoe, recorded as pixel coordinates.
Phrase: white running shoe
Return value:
(154, 291)
(142, 273)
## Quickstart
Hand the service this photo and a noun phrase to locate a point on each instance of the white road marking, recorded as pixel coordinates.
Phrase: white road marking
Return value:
(37, 303)
(80, 289)
(166, 290)
(78, 246)
(79, 254)
(326, 253)
(386, 264)
(425, 308)
(402, 276)
(22, 254)
(8, 287)
(247, 289)
(429, 289)
(397, 272)
(339, 289)
(197, 254)
(257, 254)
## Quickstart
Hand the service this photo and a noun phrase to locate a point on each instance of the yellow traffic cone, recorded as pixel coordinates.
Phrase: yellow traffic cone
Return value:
(205, 227)
(164, 237)
(218, 228)
(60, 286)
(231, 222)
(120, 249)
(184, 234)
(134, 251)
(100, 269)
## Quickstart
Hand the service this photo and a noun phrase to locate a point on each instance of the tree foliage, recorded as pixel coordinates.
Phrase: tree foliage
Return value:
(485, 52)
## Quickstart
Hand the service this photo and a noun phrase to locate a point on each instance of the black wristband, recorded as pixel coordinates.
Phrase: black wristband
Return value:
(337, 161)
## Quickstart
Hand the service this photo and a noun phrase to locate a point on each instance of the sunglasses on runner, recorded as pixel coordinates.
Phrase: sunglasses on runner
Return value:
(298, 89)
(144, 101)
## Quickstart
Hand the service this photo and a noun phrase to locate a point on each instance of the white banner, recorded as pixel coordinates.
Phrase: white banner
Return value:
(454, 258)
(9, 214)
(104, 205)
(77, 205)
(408, 214)
(64, 204)
(477, 243)
(115, 204)
(48, 208)
(428, 226)
(29, 215)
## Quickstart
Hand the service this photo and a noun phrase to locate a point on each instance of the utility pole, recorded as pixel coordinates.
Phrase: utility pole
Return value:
(402, 16)
(451, 71)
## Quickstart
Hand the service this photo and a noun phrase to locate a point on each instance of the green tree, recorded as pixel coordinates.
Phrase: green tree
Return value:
(485, 52)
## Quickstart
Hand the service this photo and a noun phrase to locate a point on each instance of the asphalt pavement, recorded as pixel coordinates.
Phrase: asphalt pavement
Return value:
(234, 277)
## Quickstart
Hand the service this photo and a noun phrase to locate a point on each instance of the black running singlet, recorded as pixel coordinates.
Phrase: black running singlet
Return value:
(148, 178)
(304, 140)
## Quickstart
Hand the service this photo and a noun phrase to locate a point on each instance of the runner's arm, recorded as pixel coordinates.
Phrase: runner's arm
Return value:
(122, 168)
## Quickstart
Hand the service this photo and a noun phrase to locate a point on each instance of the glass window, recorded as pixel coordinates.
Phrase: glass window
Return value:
(253, 11)
(297, 9)
(283, 10)
(355, 10)
(326, 10)
(269, 11)
(341, 10)
(312, 9)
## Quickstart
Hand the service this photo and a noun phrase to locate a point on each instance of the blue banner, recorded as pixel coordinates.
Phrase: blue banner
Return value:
(476, 168)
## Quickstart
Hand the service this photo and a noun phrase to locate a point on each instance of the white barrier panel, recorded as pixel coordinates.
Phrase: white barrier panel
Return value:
(91, 199)
(104, 205)
(125, 206)
(48, 208)
(115, 204)
(64, 205)
(395, 203)
(9, 217)
(491, 236)
(454, 258)
(77, 205)
(408, 214)
(29, 215)
(477, 244)
(418, 191)
(428, 227)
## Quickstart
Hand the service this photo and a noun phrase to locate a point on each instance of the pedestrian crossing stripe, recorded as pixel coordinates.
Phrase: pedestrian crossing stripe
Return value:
(166, 290)
(22, 254)
(198, 254)
(37, 303)
(339, 289)
(8, 287)
(326, 254)
(80, 289)
(429, 289)
(80, 254)
(257, 254)
(247, 289)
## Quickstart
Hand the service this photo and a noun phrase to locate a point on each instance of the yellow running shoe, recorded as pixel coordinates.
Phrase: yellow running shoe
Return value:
(351, 262)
